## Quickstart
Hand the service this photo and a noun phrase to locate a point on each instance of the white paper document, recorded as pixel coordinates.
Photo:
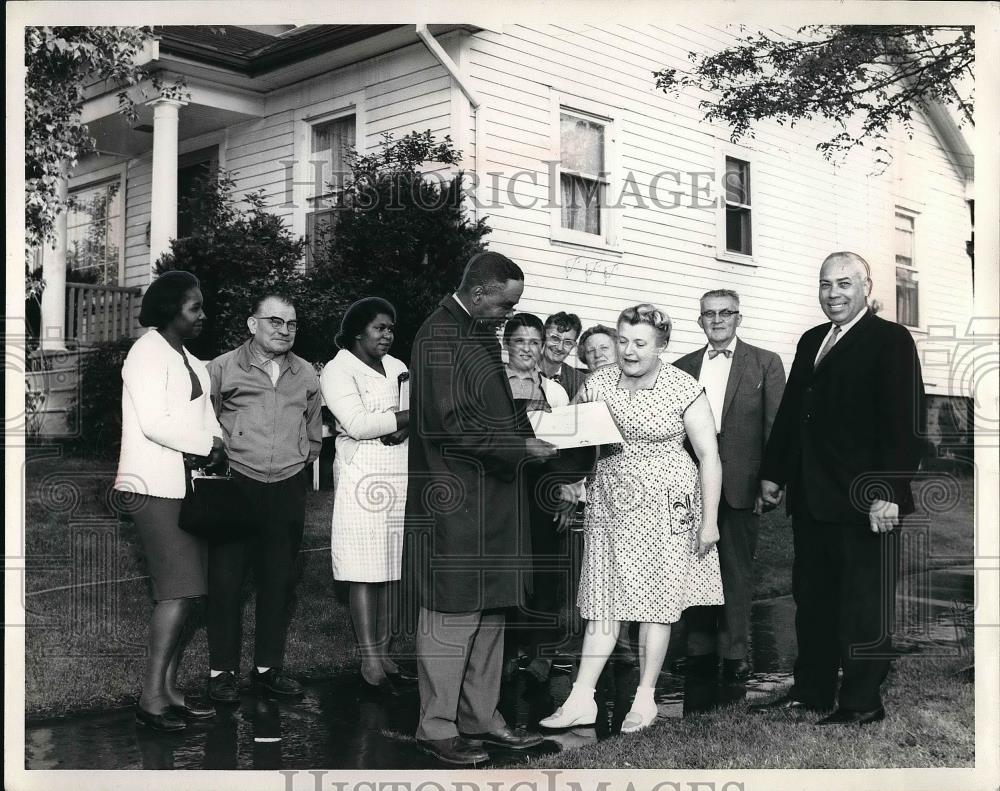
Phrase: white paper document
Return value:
(576, 426)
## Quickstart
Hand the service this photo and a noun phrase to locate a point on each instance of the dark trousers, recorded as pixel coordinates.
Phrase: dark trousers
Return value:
(271, 547)
(730, 622)
(844, 584)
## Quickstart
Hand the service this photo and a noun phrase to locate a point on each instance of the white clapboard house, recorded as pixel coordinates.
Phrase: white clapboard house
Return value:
(540, 113)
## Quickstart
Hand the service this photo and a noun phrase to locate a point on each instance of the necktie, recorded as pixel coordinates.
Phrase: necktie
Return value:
(713, 353)
(828, 345)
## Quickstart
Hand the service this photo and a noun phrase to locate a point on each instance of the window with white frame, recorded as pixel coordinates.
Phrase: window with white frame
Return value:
(738, 221)
(93, 232)
(331, 140)
(585, 141)
(907, 291)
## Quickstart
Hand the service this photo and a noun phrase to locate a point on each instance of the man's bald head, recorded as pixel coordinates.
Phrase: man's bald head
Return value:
(844, 285)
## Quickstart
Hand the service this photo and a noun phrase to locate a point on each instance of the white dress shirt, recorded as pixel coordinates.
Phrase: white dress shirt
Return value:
(840, 336)
(714, 377)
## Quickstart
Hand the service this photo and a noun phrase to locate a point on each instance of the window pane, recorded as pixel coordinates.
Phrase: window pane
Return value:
(320, 227)
(737, 181)
(581, 204)
(904, 239)
(906, 297)
(581, 145)
(92, 233)
(330, 144)
(738, 230)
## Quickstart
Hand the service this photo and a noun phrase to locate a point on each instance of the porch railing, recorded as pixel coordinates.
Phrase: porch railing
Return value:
(101, 313)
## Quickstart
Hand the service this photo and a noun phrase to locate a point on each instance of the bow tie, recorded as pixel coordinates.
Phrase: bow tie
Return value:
(713, 353)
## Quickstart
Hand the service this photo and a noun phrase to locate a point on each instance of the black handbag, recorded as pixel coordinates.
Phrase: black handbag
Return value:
(215, 509)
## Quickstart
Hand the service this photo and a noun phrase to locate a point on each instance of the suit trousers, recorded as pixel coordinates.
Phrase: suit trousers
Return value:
(271, 548)
(726, 628)
(844, 583)
(459, 665)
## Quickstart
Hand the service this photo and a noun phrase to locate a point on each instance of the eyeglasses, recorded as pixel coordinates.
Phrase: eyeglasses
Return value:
(557, 340)
(722, 314)
(277, 322)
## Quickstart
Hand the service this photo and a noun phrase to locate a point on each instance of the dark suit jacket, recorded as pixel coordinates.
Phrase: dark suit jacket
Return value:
(753, 392)
(848, 432)
(467, 541)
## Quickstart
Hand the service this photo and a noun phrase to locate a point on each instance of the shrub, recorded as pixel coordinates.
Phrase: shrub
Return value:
(236, 252)
(400, 234)
(98, 404)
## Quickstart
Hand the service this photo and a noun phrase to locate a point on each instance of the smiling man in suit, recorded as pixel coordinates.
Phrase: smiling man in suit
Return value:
(846, 443)
(744, 386)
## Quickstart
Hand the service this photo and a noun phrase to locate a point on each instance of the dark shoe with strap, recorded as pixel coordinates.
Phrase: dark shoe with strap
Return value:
(456, 751)
(275, 682)
(735, 670)
(165, 722)
(192, 710)
(224, 688)
(510, 738)
(403, 677)
(848, 717)
(787, 704)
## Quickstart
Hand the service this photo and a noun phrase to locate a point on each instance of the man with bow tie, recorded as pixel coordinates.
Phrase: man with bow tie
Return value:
(744, 385)
(846, 443)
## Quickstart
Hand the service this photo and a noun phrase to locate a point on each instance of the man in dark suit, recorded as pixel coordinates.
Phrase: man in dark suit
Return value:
(744, 386)
(846, 444)
(467, 541)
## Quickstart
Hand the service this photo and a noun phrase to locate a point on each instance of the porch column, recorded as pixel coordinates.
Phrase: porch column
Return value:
(52, 327)
(163, 208)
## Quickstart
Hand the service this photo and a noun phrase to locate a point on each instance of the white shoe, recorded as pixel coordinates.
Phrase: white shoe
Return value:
(642, 714)
(572, 713)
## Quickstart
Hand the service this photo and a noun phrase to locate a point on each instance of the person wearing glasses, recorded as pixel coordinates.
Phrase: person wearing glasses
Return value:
(561, 333)
(744, 385)
(362, 386)
(268, 403)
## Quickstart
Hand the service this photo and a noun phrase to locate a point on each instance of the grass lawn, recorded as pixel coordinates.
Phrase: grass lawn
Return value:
(930, 722)
(84, 645)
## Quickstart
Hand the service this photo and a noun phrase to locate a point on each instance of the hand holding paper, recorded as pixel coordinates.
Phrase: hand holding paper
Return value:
(576, 426)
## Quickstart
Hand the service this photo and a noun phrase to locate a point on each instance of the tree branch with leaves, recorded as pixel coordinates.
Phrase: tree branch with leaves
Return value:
(864, 78)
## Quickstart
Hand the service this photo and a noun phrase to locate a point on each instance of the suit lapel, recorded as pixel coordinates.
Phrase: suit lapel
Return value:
(694, 368)
(735, 372)
(841, 347)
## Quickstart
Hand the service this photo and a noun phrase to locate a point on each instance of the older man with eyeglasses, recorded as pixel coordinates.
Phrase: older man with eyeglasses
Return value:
(268, 403)
(744, 385)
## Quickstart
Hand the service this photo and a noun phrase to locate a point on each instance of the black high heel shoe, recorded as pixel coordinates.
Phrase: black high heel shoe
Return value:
(191, 711)
(402, 677)
(167, 722)
(384, 687)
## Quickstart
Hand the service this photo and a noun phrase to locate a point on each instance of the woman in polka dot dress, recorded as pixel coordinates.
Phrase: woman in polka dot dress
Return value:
(650, 529)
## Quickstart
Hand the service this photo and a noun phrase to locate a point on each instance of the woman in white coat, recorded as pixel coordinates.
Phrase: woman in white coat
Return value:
(167, 414)
(362, 386)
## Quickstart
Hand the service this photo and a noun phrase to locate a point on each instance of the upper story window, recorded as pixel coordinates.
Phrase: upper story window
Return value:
(907, 290)
(330, 143)
(94, 247)
(584, 140)
(738, 230)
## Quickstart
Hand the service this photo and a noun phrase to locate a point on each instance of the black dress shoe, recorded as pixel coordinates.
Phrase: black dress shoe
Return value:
(848, 717)
(784, 703)
(735, 669)
(512, 739)
(277, 683)
(223, 688)
(456, 751)
(192, 711)
(167, 722)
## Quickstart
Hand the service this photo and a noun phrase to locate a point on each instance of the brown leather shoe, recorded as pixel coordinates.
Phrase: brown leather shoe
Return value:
(512, 739)
(456, 751)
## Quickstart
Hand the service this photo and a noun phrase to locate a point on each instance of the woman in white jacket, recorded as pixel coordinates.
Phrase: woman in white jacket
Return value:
(166, 413)
(362, 388)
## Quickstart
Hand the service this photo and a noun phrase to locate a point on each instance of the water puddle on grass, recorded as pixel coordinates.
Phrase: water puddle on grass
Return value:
(337, 725)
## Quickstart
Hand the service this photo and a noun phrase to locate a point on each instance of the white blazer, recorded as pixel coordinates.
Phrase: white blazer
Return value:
(343, 381)
(160, 422)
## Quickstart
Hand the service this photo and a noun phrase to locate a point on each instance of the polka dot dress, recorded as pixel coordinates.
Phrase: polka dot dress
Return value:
(644, 508)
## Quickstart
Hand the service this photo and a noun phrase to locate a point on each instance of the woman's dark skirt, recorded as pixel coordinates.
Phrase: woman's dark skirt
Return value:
(177, 561)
